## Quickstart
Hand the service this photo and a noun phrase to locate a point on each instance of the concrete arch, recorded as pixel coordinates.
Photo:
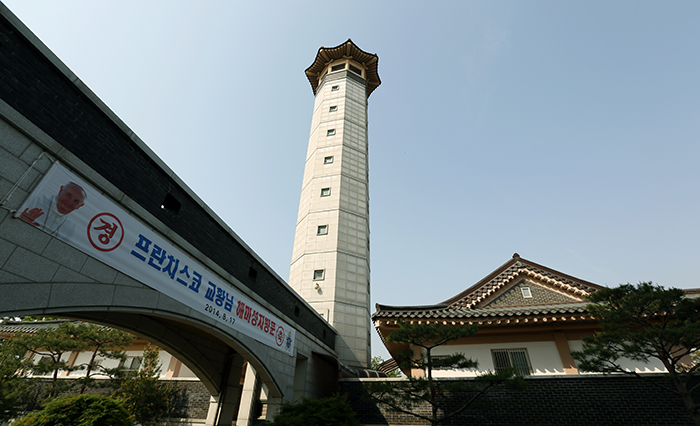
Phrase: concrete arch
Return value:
(192, 337)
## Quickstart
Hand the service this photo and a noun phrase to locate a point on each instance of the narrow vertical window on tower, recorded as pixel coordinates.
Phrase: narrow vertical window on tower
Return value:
(356, 70)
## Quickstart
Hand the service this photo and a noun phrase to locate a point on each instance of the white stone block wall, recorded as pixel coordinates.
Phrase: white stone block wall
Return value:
(342, 296)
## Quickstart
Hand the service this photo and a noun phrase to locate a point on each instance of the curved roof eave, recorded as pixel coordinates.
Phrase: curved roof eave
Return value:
(347, 49)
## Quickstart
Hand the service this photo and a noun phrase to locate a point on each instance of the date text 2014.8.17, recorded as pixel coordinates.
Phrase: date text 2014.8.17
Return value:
(215, 311)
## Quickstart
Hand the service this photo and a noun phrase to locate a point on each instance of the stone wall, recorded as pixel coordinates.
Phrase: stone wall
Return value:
(582, 400)
(191, 401)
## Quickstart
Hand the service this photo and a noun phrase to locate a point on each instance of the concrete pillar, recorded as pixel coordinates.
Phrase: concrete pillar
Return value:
(300, 378)
(273, 407)
(223, 407)
(249, 396)
(213, 411)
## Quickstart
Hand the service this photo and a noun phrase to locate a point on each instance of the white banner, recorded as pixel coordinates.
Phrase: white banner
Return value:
(66, 207)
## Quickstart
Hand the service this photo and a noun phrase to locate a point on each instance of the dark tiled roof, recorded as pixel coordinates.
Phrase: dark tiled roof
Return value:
(514, 267)
(28, 327)
(464, 305)
(451, 314)
(388, 366)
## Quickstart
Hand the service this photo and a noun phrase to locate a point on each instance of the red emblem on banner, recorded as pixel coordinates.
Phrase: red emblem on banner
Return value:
(105, 232)
(280, 336)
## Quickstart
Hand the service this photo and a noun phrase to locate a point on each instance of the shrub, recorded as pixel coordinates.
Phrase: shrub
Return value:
(316, 412)
(80, 410)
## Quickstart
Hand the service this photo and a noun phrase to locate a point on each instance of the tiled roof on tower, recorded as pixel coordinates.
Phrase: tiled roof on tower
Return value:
(348, 49)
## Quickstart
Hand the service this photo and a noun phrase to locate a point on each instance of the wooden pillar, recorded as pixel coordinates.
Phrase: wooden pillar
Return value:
(417, 352)
(565, 352)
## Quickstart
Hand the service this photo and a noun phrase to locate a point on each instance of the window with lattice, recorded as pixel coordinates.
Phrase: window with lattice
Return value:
(516, 359)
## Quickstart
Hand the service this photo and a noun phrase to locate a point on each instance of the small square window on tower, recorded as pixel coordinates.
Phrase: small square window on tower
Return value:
(325, 192)
(330, 132)
(334, 88)
(319, 274)
(328, 160)
(322, 230)
(333, 108)
(527, 294)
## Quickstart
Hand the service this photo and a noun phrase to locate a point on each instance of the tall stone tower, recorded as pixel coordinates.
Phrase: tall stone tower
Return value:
(330, 262)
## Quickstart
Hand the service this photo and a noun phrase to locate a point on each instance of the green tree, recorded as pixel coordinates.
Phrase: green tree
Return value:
(145, 398)
(53, 346)
(14, 386)
(640, 323)
(316, 412)
(81, 410)
(407, 396)
(104, 343)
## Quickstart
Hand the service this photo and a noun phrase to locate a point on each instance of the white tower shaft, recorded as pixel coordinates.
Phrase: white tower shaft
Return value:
(330, 263)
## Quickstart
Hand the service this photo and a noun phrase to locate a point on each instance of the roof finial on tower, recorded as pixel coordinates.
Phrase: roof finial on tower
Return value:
(516, 256)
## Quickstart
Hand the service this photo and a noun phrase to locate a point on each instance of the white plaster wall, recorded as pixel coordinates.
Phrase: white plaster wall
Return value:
(186, 373)
(544, 358)
(84, 358)
(654, 365)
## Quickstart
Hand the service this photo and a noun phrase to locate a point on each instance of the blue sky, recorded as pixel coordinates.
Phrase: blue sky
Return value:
(568, 132)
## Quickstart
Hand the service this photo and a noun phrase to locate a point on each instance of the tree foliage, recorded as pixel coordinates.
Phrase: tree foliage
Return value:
(645, 322)
(143, 396)
(14, 386)
(80, 410)
(407, 396)
(104, 343)
(316, 412)
(54, 344)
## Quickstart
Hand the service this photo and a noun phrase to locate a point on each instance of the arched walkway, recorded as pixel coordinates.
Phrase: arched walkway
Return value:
(215, 355)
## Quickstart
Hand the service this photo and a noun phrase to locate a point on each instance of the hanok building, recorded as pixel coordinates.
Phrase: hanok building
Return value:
(171, 367)
(530, 318)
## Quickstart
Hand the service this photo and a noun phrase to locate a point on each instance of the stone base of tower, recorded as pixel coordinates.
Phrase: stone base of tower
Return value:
(341, 297)
(353, 342)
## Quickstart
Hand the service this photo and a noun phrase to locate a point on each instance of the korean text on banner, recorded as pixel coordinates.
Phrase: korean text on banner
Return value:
(68, 208)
